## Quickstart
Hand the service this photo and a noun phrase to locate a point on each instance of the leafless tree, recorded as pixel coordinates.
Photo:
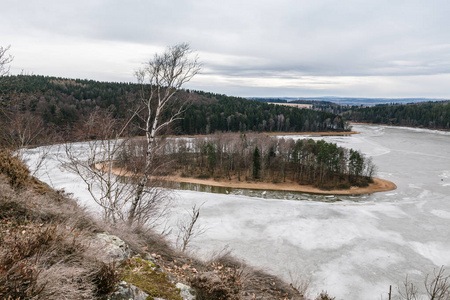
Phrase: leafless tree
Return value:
(113, 187)
(93, 162)
(160, 78)
(22, 129)
(5, 60)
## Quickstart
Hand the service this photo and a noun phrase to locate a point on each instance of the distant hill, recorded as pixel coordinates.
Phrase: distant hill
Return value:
(326, 100)
(64, 104)
(293, 100)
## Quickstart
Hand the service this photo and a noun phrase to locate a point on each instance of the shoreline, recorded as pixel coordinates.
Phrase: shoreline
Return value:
(399, 126)
(273, 133)
(379, 185)
(318, 133)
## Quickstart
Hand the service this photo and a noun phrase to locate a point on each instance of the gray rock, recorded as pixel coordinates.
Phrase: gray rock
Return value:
(186, 292)
(114, 246)
(127, 291)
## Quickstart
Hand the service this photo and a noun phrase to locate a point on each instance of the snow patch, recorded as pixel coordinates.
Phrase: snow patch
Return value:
(437, 252)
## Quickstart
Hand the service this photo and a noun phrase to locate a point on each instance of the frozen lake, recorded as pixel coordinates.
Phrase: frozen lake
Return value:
(354, 247)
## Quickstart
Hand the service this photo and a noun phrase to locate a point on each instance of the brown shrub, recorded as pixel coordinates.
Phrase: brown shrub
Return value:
(51, 262)
(21, 251)
(223, 283)
(46, 248)
(17, 173)
(106, 278)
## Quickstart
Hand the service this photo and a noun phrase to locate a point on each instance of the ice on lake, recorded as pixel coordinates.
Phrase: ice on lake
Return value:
(354, 247)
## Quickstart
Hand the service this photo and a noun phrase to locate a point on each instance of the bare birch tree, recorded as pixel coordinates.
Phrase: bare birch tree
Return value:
(111, 187)
(160, 79)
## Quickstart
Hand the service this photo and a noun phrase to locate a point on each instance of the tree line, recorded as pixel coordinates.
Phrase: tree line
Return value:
(257, 157)
(435, 115)
(61, 105)
(235, 114)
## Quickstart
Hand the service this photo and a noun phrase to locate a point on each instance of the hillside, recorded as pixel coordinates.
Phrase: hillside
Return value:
(63, 105)
(433, 115)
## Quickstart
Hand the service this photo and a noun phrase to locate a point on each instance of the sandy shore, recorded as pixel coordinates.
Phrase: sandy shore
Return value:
(379, 185)
(282, 133)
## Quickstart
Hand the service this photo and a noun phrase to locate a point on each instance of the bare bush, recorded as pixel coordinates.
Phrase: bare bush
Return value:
(106, 278)
(27, 250)
(409, 291)
(223, 285)
(300, 284)
(324, 296)
(45, 251)
(11, 166)
(437, 287)
(187, 229)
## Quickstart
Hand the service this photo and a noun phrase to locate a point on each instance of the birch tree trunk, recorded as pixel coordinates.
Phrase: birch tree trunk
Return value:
(160, 78)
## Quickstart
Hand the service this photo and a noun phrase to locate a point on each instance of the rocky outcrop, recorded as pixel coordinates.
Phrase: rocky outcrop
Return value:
(115, 248)
(127, 291)
(186, 292)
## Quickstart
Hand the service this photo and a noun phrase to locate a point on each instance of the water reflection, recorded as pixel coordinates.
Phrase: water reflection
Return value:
(282, 195)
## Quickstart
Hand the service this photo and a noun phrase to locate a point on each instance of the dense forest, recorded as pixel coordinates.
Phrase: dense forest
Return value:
(237, 114)
(257, 157)
(434, 115)
(62, 105)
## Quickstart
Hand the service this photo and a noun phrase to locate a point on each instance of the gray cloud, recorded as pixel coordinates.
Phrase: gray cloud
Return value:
(282, 40)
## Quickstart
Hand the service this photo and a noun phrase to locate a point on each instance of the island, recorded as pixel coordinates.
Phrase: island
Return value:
(256, 161)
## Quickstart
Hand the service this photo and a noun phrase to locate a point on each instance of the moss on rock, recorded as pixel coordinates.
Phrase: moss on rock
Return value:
(143, 274)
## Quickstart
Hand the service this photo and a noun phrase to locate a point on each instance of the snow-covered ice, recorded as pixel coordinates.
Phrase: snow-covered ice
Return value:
(353, 248)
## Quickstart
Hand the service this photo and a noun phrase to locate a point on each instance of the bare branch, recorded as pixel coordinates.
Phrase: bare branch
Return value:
(187, 229)
(409, 291)
(5, 60)
(438, 287)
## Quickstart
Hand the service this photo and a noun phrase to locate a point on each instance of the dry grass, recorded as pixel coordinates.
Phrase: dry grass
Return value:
(46, 248)
(16, 172)
(47, 261)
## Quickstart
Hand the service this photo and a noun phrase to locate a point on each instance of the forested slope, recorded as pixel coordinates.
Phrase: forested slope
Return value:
(434, 115)
(237, 114)
(64, 104)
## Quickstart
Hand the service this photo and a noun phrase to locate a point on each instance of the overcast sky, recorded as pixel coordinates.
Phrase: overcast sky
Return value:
(365, 48)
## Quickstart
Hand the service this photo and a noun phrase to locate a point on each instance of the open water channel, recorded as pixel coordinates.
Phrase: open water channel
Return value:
(354, 247)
